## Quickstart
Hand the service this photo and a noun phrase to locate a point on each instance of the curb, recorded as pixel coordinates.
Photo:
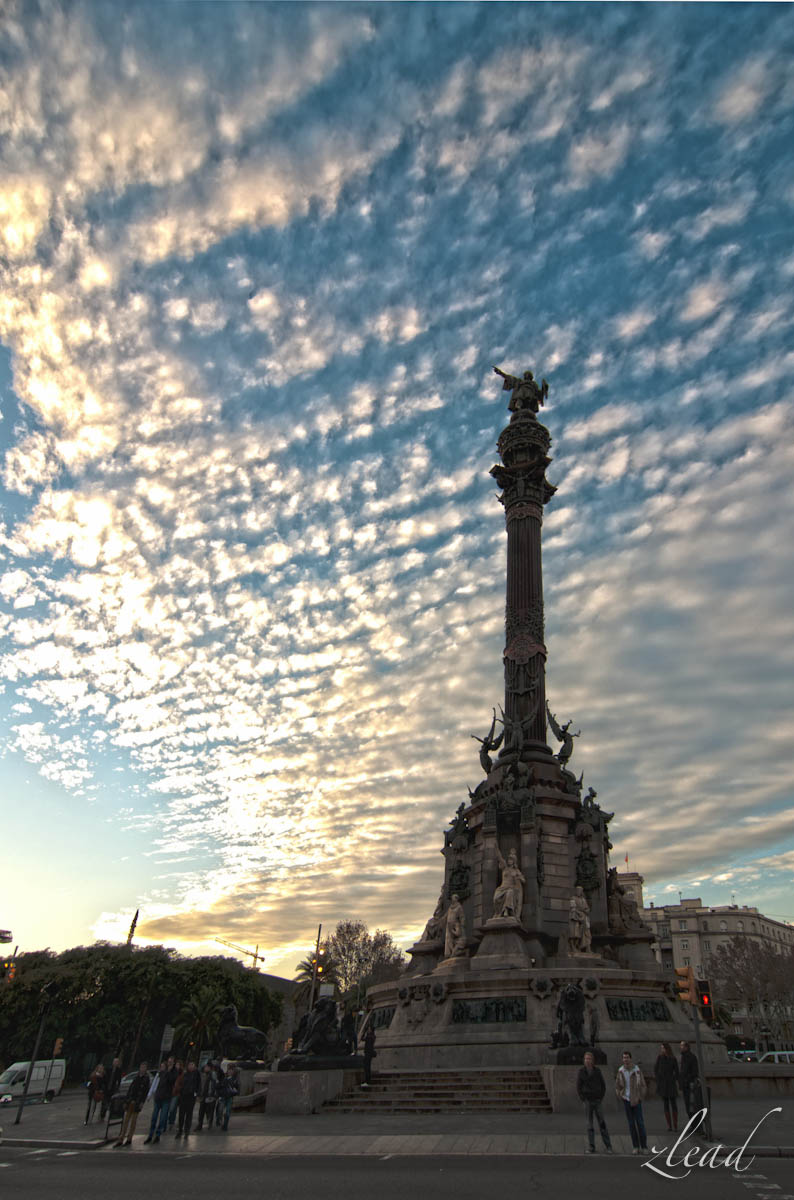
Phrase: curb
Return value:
(51, 1144)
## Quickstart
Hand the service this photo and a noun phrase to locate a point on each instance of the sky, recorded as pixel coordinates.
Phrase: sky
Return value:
(257, 262)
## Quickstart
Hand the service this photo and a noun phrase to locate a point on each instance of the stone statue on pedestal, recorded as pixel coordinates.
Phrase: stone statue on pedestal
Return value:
(455, 939)
(563, 734)
(434, 929)
(488, 744)
(579, 940)
(508, 899)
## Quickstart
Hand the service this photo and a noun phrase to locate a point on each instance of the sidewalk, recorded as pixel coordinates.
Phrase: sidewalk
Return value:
(60, 1125)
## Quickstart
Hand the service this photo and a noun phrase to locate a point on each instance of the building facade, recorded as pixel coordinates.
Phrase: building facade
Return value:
(688, 933)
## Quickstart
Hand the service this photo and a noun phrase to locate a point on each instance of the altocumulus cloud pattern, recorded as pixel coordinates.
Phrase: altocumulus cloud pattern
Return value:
(257, 263)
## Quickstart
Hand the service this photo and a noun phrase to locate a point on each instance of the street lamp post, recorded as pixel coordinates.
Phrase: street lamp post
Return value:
(44, 1009)
(314, 968)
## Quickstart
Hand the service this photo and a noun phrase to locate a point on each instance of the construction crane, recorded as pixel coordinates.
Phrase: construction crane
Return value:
(254, 954)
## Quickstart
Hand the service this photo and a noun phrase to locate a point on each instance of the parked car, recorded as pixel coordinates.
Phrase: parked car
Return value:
(744, 1055)
(48, 1075)
(777, 1056)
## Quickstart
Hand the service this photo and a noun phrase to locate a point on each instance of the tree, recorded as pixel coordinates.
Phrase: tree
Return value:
(109, 999)
(749, 974)
(198, 1020)
(362, 958)
(305, 974)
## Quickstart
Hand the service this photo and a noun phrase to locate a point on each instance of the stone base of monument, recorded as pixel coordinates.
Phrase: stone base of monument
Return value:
(293, 1092)
(503, 945)
(321, 1062)
(453, 966)
(471, 1015)
(574, 1055)
(425, 956)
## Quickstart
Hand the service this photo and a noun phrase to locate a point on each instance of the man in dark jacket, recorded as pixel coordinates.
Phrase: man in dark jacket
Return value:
(369, 1053)
(230, 1086)
(114, 1077)
(208, 1096)
(591, 1089)
(191, 1086)
(689, 1077)
(162, 1100)
(136, 1098)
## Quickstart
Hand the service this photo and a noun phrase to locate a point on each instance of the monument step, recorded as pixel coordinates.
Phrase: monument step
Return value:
(363, 1106)
(455, 1094)
(447, 1091)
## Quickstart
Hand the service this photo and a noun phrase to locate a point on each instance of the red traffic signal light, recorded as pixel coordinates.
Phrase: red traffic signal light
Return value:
(704, 999)
(10, 969)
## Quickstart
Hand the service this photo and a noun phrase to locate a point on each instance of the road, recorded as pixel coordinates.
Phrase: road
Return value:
(63, 1175)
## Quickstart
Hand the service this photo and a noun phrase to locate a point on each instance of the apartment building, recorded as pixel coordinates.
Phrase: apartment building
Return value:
(687, 933)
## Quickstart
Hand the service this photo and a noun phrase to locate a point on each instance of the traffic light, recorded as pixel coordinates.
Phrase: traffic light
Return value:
(704, 1000)
(57, 1048)
(9, 969)
(685, 983)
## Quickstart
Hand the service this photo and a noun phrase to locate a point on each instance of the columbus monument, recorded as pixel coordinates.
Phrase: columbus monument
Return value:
(534, 952)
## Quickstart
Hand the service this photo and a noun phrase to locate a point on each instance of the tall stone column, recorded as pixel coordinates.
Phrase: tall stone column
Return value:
(523, 448)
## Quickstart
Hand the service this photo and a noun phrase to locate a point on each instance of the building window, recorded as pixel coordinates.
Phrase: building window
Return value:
(685, 944)
(682, 925)
(723, 925)
(686, 962)
(705, 925)
(668, 962)
(664, 931)
(738, 1027)
(740, 926)
(706, 944)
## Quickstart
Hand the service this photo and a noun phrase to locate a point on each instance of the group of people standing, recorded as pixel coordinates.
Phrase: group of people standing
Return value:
(631, 1089)
(174, 1091)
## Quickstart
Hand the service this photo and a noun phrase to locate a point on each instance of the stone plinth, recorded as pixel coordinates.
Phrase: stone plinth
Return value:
(292, 1092)
(425, 956)
(503, 945)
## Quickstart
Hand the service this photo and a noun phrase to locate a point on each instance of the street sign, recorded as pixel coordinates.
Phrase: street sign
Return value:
(167, 1042)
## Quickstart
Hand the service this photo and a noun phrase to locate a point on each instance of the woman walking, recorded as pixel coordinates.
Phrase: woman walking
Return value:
(666, 1074)
(97, 1087)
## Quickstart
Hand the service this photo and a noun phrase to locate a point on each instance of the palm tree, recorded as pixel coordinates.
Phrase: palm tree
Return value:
(197, 1019)
(326, 973)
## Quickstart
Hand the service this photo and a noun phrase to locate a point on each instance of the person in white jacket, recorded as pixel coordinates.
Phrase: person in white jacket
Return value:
(630, 1087)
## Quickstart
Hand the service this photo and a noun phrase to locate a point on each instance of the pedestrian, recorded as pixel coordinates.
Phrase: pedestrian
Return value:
(189, 1089)
(162, 1094)
(666, 1075)
(369, 1053)
(231, 1088)
(689, 1076)
(347, 1029)
(113, 1077)
(208, 1097)
(591, 1089)
(630, 1088)
(137, 1095)
(220, 1092)
(96, 1085)
(180, 1071)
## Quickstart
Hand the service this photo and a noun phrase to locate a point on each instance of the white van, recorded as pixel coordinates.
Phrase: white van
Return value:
(777, 1056)
(48, 1073)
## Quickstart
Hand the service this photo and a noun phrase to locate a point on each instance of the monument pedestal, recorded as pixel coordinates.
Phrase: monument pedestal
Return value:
(503, 945)
(425, 957)
(456, 965)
